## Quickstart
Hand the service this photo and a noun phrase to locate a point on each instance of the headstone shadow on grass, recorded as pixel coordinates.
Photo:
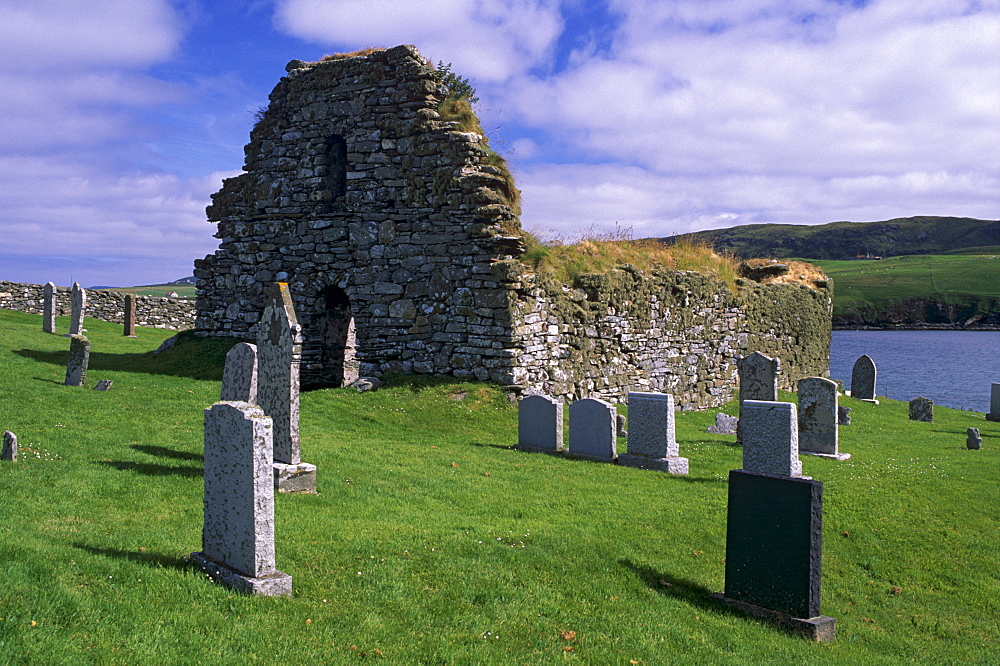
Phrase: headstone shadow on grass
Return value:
(151, 559)
(151, 469)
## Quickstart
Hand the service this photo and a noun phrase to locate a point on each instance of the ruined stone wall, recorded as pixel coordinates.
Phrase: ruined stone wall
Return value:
(107, 305)
(398, 241)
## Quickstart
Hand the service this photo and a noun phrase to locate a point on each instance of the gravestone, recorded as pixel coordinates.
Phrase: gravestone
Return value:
(9, 446)
(540, 424)
(79, 359)
(104, 385)
(239, 379)
(279, 352)
(758, 381)
(770, 438)
(724, 424)
(818, 416)
(774, 549)
(592, 432)
(238, 534)
(49, 308)
(863, 379)
(994, 414)
(129, 329)
(78, 300)
(973, 440)
(844, 415)
(652, 440)
(922, 409)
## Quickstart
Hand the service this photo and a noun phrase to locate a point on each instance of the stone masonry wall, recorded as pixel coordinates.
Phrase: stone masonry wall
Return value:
(104, 304)
(399, 243)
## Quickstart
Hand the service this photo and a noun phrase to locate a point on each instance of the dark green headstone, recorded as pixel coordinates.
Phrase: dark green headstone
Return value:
(774, 542)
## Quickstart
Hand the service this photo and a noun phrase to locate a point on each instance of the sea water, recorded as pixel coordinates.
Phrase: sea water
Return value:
(952, 368)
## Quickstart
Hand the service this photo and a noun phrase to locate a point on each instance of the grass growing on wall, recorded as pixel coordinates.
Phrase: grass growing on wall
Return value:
(599, 252)
(432, 541)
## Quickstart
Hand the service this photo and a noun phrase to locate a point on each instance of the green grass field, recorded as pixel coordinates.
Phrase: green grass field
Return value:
(182, 290)
(958, 278)
(432, 541)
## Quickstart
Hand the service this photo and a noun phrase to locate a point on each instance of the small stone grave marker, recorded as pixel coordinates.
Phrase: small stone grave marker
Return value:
(78, 299)
(758, 381)
(540, 424)
(49, 308)
(863, 377)
(592, 433)
(770, 438)
(843, 415)
(238, 535)
(239, 378)
(922, 409)
(973, 440)
(724, 424)
(817, 416)
(103, 385)
(79, 359)
(9, 446)
(652, 440)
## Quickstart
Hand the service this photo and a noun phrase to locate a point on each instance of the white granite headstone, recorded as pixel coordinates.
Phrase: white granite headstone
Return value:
(758, 381)
(770, 438)
(994, 413)
(652, 440)
(540, 424)
(239, 379)
(49, 308)
(78, 300)
(593, 430)
(818, 417)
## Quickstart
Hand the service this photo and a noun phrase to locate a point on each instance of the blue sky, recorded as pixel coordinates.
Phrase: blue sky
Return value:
(663, 116)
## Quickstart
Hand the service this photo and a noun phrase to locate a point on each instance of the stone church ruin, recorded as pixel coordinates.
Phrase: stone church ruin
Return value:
(398, 235)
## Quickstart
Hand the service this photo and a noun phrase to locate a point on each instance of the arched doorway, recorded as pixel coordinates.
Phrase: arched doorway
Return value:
(337, 337)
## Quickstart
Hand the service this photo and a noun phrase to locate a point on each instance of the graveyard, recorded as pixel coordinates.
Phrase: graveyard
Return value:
(433, 539)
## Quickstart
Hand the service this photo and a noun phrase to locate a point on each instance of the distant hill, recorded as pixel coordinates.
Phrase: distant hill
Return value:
(847, 240)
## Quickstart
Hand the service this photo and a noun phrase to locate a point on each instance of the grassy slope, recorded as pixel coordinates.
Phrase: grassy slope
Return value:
(433, 542)
(959, 278)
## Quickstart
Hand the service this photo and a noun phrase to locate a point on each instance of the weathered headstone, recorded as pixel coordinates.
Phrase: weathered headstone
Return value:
(279, 353)
(843, 415)
(104, 385)
(774, 552)
(973, 440)
(724, 424)
(592, 434)
(922, 409)
(239, 379)
(652, 440)
(994, 413)
(129, 328)
(758, 381)
(49, 308)
(9, 446)
(78, 300)
(79, 359)
(770, 438)
(863, 377)
(817, 416)
(238, 534)
(540, 424)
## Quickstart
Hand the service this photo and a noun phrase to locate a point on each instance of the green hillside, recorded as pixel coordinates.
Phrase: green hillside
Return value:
(186, 291)
(847, 240)
(956, 289)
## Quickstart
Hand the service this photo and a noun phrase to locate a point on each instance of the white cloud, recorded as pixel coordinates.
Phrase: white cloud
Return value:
(486, 40)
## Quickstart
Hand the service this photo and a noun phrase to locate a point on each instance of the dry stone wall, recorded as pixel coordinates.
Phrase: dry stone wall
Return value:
(396, 235)
(104, 304)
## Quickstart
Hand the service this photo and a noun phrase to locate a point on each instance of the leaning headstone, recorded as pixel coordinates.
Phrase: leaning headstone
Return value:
(9, 446)
(774, 552)
(817, 416)
(129, 327)
(49, 308)
(758, 381)
(863, 379)
(973, 440)
(652, 440)
(844, 415)
(994, 413)
(239, 379)
(724, 424)
(279, 352)
(922, 409)
(238, 534)
(540, 424)
(770, 438)
(79, 359)
(592, 434)
(104, 385)
(78, 299)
